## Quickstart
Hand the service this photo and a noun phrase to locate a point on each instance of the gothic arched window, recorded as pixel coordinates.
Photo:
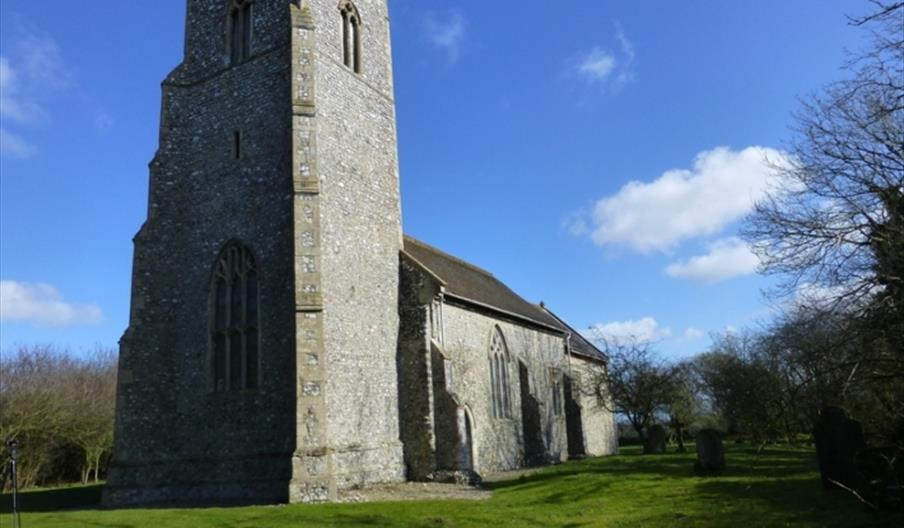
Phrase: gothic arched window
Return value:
(239, 31)
(234, 321)
(351, 35)
(499, 376)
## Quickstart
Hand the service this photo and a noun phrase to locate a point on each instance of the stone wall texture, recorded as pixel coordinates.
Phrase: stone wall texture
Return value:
(600, 433)
(313, 193)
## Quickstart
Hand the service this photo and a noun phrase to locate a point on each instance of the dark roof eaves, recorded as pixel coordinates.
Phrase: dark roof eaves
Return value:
(575, 334)
(423, 267)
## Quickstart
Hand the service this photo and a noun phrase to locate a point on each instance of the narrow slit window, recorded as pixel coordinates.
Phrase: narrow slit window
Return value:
(237, 145)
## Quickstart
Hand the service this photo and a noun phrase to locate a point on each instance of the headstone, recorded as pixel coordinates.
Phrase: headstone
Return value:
(881, 477)
(838, 439)
(656, 439)
(710, 453)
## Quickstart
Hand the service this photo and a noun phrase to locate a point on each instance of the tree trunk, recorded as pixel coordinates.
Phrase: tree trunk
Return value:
(97, 466)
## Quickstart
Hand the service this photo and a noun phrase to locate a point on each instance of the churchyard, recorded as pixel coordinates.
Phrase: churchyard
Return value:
(780, 486)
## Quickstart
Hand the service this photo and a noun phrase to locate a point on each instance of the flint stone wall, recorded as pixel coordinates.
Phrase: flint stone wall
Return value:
(499, 442)
(360, 240)
(177, 439)
(600, 434)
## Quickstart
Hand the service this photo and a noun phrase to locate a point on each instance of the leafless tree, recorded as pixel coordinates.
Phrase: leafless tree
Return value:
(834, 224)
(59, 408)
(835, 220)
(638, 381)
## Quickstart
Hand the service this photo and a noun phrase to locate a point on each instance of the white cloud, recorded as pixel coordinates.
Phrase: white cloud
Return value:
(102, 122)
(642, 330)
(43, 305)
(41, 59)
(446, 34)
(13, 105)
(839, 297)
(727, 258)
(604, 67)
(692, 334)
(34, 69)
(14, 146)
(596, 65)
(576, 223)
(627, 47)
(720, 188)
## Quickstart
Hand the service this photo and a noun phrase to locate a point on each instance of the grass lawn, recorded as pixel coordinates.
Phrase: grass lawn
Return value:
(780, 488)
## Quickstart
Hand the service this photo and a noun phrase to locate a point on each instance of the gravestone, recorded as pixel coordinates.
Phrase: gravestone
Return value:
(838, 439)
(655, 442)
(710, 453)
(881, 476)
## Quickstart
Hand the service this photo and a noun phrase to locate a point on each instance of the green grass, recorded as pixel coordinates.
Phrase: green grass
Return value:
(780, 488)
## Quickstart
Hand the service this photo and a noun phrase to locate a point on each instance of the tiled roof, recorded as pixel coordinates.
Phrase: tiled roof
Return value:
(468, 282)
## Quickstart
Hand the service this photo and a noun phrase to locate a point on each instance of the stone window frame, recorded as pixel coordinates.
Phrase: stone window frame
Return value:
(500, 386)
(234, 337)
(239, 31)
(351, 35)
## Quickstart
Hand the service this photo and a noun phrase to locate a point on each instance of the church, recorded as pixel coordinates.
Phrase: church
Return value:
(286, 341)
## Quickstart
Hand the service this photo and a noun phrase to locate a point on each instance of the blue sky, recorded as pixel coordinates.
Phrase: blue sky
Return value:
(597, 156)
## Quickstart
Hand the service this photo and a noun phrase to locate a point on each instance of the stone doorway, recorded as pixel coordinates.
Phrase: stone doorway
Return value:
(466, 441)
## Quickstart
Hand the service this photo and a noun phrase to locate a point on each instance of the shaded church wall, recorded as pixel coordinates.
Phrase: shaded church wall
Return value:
(534, 450)
(500, 441)
(445, 413)
(597, 422)
(414, 370)
(574, 420)
(176, 439)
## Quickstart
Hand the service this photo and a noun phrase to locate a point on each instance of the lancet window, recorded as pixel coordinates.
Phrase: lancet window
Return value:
(351, 35)
(239, 31)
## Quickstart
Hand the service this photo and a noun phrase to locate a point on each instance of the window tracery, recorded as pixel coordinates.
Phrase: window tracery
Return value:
(234, 322)
(499, 377)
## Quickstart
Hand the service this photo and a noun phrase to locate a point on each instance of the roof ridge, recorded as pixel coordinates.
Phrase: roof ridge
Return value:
(450, 257)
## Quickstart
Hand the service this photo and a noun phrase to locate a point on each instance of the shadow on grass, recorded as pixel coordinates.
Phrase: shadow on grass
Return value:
(590, 478)
(797, 499)
(76, 497)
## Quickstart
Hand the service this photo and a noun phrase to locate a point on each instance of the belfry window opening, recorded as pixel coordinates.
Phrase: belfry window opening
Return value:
(351, 36)
(240, 28)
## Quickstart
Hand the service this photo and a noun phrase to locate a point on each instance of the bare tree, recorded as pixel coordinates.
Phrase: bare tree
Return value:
(639, 383)
(835, 222)
(60, 410)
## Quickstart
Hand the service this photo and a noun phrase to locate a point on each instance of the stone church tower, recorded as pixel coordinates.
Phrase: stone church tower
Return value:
(260, 359)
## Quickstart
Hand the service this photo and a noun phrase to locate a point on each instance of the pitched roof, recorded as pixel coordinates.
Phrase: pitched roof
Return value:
(467, 282)
(476, 286)
(580, 345)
